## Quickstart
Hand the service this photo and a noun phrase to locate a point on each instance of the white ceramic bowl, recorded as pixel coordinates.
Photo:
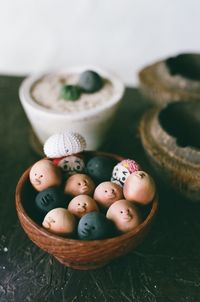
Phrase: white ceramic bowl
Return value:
(91, 123)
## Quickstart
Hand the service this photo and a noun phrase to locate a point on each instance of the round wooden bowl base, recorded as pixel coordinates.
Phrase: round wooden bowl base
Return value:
(81, 266)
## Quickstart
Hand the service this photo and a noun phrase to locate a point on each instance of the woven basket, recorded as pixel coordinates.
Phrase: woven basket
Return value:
(154, 84)
(175, 161)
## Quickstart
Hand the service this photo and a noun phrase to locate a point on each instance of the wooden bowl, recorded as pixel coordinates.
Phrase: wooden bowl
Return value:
(173, 79)
(75, 253)
(170, 137)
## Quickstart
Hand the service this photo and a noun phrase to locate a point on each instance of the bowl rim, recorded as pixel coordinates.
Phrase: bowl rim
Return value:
(91, 243)
(174, 153)
(27, 100)
(149, 79)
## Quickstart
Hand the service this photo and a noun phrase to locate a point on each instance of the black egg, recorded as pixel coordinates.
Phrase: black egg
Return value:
(50, 199)
(90, 81)
(94, 226)
(100, 168)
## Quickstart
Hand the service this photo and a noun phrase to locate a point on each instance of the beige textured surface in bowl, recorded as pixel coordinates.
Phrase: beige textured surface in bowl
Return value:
(92, 123)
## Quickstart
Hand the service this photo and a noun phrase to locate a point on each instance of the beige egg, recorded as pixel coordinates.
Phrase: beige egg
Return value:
(79, 184)
(82, 204)
(44, 174)
(108, 192)
(59, 221)
(124, 215)
(139, 187)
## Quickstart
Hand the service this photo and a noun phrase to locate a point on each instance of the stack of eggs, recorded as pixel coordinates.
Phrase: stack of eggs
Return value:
(90, 199)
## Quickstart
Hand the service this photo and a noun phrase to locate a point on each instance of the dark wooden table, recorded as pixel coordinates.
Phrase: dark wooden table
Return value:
(166, 267)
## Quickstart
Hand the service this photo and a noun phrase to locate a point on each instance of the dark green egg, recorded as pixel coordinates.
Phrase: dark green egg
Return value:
(94, 226)
(90, 81)
(50, 199)
(100, 168)
(70, 92)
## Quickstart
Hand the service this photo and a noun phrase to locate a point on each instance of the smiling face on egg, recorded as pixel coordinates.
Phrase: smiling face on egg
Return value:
(124, 215)
(72, 164)
(81, 205)
(44, 174)
(79, 184)
(107, 192)
(120, 174)
(122, 170)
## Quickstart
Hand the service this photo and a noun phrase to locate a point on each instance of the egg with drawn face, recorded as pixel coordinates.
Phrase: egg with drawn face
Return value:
(44, 174)
(79, 184)
(70, 164)
(81, 205)
(49, 199)
(59, 221)
(107, 192)
(139, 187)
(93, 226)
(124, 215)
(122, 170)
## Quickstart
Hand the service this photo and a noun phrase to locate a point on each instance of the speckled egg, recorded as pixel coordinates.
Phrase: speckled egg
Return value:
(139, 187)
(107, 192)
(44, 174)
(59, 221)
(79, 184)
(49, 199)
(100, 168)
(70, 164)
(124, 215)
(81, 205)
(123, 169)
(94, 226)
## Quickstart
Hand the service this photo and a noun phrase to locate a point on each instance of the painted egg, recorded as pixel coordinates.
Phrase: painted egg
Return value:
(107, 192)
(94, 226)
(124, 215)
(78, 184)
(44, 174)
(100, 168)
(64, 144)
(70, 164)
(122, 170)
(139, 187)
(59, 221)
(49, 199)
(81, 205)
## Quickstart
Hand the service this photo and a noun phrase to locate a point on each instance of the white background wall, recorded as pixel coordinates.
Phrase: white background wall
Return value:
(119, 35)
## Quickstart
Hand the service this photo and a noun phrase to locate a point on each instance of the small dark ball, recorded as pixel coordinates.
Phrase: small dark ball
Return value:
(100, 168)
(90, 81)
(70, 92)
(94, 226)
(50, 199)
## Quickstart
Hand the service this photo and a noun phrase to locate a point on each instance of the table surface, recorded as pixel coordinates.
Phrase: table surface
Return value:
(165, 267)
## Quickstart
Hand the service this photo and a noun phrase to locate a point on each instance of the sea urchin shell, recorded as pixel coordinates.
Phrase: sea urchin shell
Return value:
(63, 144)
